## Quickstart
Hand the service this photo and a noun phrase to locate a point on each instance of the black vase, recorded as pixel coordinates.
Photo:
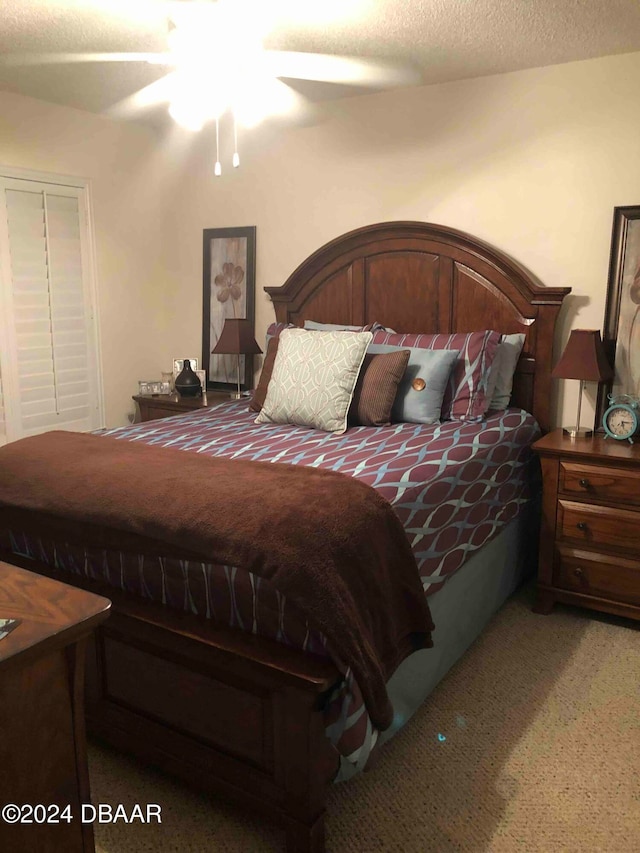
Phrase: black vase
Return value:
(187, 382)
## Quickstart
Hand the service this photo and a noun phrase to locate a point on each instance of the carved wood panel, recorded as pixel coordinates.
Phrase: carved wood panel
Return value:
(391, 296)
(334, 298)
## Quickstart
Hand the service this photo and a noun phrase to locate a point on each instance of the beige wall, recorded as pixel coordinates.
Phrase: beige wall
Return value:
(533, 162)
(130, 176)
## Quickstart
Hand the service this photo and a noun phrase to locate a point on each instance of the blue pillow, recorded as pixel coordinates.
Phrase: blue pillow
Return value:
(312, 326)
(421, 391)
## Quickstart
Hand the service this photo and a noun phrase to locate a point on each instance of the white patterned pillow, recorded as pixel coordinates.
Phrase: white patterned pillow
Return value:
(313, 379)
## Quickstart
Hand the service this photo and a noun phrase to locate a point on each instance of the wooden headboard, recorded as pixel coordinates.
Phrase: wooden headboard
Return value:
(419, 277)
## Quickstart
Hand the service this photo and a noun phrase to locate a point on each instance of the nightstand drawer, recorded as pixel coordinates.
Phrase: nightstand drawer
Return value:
(168, 405)
(595, 482)
(156, 413)
(599, 575)
(599, 527)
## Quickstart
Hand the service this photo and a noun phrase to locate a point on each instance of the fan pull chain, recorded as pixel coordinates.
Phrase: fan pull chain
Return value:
(236, 156)
(217, 171)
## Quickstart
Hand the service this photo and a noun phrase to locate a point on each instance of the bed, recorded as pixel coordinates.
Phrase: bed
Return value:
(232, 707)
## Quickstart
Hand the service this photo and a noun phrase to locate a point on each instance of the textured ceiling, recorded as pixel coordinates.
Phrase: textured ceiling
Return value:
(445, 39)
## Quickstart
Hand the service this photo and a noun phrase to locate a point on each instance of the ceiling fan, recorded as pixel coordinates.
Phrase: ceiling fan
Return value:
(216, 64)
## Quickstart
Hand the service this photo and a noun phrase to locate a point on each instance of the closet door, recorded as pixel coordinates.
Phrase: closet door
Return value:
(48, 355)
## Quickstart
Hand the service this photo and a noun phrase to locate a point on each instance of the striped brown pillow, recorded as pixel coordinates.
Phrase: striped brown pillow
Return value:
(376, 388)
(259, 395)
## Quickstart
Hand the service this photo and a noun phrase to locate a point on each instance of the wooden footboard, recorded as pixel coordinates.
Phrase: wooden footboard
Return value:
(228, 712)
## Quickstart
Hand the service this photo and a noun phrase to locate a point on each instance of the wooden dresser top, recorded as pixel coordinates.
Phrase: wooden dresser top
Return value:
(598, 448)
(52, 614)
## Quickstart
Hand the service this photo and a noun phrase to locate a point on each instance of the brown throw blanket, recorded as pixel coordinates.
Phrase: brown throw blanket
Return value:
(328, 542)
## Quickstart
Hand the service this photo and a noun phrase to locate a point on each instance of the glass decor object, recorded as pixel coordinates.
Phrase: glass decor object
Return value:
(187, 382)
(168, 377)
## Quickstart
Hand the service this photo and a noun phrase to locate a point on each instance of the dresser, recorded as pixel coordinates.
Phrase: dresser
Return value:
(590, 532)
(44, 778)
(167, 405)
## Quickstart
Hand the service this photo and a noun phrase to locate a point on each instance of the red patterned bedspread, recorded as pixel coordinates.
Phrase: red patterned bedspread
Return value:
(453, 486)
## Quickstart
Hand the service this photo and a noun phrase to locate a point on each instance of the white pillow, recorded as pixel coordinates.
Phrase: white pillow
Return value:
(500, 382)
(313, 379)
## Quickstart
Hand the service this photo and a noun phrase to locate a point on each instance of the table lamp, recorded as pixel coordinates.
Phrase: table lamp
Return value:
(583, 358)
(236, 339)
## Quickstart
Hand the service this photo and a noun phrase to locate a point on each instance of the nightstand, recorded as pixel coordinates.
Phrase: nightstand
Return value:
(167, 405)
(590, 532)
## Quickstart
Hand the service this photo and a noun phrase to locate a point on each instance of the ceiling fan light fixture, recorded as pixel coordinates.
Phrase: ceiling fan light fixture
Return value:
(214, 35)
(196, 99)
(184, 119)
(216, 63)
(217, 53)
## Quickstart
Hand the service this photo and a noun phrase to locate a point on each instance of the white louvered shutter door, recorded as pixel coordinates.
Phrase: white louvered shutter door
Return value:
(51, 360)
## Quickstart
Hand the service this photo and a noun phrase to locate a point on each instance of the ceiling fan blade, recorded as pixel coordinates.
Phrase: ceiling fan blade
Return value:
(349, 70)
(275, 101)
(158, 92)
(24, 59)
(299, 109)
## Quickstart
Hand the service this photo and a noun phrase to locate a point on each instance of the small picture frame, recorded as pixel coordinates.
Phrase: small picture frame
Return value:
(178, 364)
(153, 388)
(202, 376)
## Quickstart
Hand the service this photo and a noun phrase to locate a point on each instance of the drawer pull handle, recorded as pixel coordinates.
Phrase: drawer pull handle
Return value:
(578, 572)
(582, 525)
(584, 483)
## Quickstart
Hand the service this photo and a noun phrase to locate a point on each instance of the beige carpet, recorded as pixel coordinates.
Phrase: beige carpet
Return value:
(542, 753)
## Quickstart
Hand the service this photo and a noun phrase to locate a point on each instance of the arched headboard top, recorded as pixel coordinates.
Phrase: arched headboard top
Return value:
(421, 277)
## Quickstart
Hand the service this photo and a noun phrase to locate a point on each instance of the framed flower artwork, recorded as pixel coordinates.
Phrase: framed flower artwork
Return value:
(229, 273)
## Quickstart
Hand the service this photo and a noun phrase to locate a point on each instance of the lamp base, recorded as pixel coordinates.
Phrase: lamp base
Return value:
(577, 432)
(236, 395)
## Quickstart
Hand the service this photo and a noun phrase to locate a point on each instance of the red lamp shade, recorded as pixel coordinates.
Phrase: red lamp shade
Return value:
(236, 338)
(583, 358)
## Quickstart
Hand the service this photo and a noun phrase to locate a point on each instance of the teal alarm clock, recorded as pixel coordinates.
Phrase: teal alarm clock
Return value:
(622, 419)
